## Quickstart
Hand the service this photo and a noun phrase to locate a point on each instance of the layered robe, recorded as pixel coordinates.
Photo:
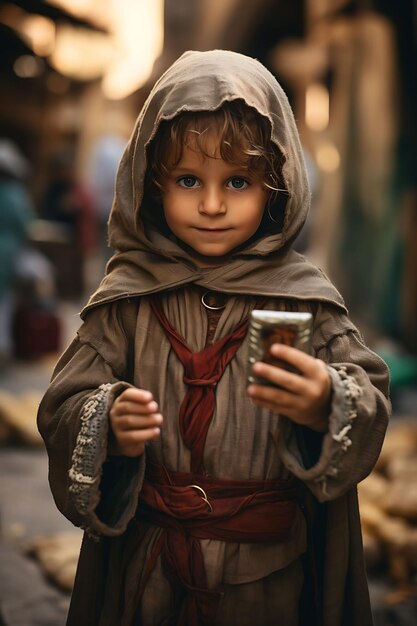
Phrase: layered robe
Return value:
(122, 343)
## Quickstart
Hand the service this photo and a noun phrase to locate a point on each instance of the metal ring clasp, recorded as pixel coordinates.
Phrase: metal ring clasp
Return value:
(203, 496)
(208, 306)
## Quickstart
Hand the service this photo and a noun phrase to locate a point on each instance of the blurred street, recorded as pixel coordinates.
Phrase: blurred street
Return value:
(27, 509)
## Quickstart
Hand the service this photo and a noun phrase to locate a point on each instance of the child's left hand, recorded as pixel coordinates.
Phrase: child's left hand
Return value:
(303, 398)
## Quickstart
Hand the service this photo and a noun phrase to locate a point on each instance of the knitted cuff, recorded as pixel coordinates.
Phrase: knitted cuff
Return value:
(89, 457)
(335, 443)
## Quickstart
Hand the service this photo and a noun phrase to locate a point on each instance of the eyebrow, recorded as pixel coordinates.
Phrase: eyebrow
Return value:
(181, 169)
(190, 169)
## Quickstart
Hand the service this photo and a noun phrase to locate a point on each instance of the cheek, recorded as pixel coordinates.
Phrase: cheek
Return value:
(176, 205)
(257, 222)
(169, 205)
(175, 216)
(256, 209)
(170, 219)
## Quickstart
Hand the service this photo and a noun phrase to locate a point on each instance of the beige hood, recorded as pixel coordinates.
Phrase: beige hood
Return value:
(146, 261)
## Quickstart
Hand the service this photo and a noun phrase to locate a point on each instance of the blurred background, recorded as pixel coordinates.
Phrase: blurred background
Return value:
(73, 77)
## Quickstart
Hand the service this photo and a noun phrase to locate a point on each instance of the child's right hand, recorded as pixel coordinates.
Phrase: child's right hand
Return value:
(134, 420)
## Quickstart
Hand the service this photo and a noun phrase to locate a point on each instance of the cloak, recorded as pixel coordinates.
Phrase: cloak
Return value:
(121, 343)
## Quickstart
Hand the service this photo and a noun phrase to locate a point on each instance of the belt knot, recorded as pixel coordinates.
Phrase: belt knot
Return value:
(201, 382)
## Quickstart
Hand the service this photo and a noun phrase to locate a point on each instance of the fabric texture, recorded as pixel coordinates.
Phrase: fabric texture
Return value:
(122, 342)
(244, 511)
(202, 372)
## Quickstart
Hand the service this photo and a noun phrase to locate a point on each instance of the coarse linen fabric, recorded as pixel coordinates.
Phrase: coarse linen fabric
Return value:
(121, 343)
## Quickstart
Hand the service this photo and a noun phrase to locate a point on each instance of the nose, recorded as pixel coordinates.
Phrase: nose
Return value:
(212, 202)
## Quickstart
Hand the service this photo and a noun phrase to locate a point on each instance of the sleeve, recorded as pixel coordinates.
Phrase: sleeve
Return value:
(332, 463)
(93, 490)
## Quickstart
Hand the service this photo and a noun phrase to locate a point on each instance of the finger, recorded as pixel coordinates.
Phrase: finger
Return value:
(288, 411)
(276, 397)
(279, 376)
(134, 394)
(132, 437)
(141, 408)
(137, 422)
(305, 363)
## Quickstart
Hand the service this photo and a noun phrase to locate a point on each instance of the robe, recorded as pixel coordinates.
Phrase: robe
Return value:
(317, 575)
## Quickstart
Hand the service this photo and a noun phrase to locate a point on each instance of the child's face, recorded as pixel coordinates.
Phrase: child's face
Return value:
(211, 205)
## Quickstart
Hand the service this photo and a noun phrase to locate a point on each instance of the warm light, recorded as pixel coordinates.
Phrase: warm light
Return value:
(40, 31)
(81, 54)
(138, 27)
(27, 66)
(124, 56)
(328, 157)
(317, 107)
(126, 76)
(37, 31)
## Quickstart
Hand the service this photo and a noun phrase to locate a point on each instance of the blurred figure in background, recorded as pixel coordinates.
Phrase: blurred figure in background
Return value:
(69, 202)
(16, 213)
(104, 163)
(69, 205)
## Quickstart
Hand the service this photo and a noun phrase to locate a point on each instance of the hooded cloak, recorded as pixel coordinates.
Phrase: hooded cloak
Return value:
(146, 262)
(122, 343)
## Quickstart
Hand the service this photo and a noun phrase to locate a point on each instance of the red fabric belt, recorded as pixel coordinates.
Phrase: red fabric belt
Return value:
(191, 507)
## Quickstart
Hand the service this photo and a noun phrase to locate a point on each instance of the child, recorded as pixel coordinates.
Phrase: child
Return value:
(207, 502)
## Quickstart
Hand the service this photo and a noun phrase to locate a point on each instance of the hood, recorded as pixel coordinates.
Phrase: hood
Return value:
(203, 81)
(145, 260)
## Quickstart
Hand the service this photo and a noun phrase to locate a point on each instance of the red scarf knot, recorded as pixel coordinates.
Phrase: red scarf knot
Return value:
(200, 382)
(202, 372)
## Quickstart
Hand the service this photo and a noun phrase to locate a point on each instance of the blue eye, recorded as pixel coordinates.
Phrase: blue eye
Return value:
(189, 182)
(238, 183)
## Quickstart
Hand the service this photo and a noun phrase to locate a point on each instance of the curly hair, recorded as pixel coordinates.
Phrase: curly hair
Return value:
(244, 140)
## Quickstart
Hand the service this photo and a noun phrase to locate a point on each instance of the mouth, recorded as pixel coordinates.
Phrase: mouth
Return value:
(213, 230)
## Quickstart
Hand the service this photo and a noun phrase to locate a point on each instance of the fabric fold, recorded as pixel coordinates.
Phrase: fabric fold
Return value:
(93, 472)
(335, 442)
(190, 507)
(202, 372)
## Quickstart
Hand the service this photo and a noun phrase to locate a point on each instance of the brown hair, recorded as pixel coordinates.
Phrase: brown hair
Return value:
(244, 140)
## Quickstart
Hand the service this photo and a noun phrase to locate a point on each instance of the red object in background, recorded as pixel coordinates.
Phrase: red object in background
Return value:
(36, 332)
(87, 227)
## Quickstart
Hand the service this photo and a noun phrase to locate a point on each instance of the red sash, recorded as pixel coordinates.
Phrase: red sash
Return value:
(191, 507)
